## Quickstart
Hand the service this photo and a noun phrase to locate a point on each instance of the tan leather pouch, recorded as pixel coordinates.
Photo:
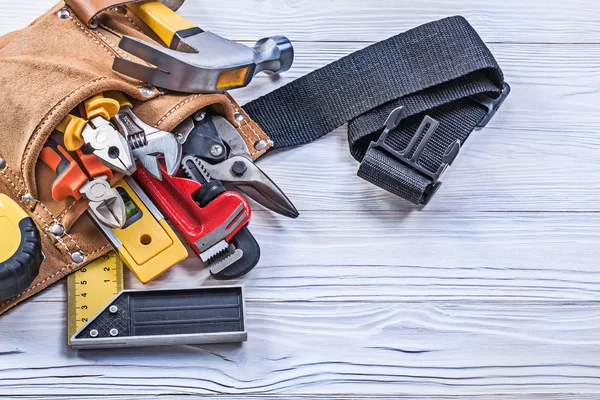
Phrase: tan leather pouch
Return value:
(46, 70)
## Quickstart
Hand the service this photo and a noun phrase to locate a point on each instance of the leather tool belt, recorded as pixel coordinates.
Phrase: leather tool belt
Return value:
(47, 70)
(437, 82)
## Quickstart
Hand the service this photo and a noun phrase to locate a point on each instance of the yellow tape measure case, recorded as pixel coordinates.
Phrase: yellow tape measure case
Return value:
(20, 249)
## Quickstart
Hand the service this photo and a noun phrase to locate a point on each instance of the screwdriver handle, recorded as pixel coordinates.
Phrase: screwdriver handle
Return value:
(69, 175)
(72, 127)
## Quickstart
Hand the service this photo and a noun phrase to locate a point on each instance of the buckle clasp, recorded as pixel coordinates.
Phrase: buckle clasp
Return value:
(426, 131)
(491, 104)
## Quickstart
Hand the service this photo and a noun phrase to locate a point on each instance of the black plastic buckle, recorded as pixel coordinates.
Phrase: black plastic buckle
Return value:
(426, 130)
(491, 104)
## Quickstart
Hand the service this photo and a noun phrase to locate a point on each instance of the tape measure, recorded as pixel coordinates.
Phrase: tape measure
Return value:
(91, 288)
(20, 249)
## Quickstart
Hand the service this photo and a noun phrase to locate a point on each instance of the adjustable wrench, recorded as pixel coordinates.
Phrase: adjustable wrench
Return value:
(148, 143)
(212, 220)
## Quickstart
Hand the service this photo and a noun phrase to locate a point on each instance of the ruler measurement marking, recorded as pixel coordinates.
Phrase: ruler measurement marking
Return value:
(91, 288)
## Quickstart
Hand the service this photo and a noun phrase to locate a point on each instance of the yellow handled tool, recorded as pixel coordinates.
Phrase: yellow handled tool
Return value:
(20, 249)
(169, 26)
(146, 243)
(72, 126)
(196, 61)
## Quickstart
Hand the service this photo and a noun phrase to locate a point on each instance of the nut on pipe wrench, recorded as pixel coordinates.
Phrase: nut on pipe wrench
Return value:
(215, 227)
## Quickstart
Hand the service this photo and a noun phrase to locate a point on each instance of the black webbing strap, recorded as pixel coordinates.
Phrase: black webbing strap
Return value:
(442, 70)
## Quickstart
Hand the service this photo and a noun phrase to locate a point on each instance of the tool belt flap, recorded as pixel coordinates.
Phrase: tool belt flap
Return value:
(47, 70)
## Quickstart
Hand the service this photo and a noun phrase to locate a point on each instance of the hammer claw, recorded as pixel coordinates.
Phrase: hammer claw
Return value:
(141, 72)
(151, 53)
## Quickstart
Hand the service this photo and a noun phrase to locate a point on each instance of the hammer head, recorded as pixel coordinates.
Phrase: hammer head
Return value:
(218, 64)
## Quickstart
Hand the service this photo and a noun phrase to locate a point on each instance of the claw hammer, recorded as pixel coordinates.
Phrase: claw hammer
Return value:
(197, 61)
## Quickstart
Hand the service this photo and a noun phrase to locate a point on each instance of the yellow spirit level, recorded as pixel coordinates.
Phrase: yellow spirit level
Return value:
(146, 243)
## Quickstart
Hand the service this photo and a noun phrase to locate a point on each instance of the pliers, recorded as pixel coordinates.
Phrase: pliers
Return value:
(88, 178)
(204, 137)
(98, 135)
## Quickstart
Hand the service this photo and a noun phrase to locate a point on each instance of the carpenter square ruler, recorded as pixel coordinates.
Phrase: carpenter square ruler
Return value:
(166, 317)
(91, 288)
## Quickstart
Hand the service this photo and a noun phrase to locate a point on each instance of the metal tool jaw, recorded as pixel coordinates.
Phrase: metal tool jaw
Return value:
(105, 141)
(148, 143)
(105, 202)
(209, 220)
(218, 64)
(235, 168)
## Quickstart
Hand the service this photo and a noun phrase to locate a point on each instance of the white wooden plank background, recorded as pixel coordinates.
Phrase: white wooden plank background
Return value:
(491, 291)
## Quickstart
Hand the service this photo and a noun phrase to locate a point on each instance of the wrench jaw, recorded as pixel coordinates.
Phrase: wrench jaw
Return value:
(235, 258)
(111, 148)
(148, 144)
(242, 255)
(157, 145)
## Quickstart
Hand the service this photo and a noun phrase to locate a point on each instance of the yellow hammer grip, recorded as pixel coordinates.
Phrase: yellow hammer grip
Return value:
(163, 21)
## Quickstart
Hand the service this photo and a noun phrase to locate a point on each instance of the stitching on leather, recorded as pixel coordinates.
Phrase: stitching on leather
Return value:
(73, 240)
(50, 114)
(62, 242)
(48, 211)
(133, 23)
(114, 47)
(46, 226)
(86, 30)
(64, 213)
(178, 106)
(12, 183)
(51, 276)
(66, 234)
(15, 175)
(253, 151)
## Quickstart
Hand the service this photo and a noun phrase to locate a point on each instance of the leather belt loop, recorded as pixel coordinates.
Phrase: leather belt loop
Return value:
(88, 10)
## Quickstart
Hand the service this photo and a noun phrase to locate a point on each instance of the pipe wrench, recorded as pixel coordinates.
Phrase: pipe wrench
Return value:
(98, 136)
(218, 151)
(212, 220)
(147, 143)
(89, 178)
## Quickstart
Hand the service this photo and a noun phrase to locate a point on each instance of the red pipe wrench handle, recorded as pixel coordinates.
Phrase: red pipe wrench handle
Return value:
(202, 227)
